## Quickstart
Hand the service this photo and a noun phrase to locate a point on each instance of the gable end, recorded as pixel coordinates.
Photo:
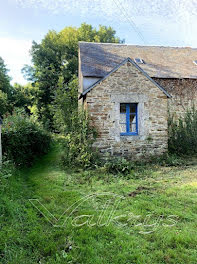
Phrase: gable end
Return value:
(116, 68)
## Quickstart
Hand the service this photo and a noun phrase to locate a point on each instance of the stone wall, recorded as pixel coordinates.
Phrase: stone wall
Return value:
(184, 94)
(129, 85)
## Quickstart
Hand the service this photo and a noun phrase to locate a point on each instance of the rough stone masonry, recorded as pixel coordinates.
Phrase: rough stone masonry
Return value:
(129, 85)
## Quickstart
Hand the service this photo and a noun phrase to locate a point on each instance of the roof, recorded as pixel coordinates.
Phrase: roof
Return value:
(116, 68)
(98, 59)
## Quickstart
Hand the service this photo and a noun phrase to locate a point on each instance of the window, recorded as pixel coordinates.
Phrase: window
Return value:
(139, 61)
(128, 119)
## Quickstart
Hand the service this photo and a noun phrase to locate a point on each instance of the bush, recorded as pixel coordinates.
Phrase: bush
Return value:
(116, 165)
(183, 134)
(23, 139)
(77, 144)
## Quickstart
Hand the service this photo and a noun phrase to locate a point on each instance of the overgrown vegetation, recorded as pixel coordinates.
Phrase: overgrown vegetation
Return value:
(50, 98)
(116, 165)
(183, 134)
(65, 107)
(77, 142)
(23, 139)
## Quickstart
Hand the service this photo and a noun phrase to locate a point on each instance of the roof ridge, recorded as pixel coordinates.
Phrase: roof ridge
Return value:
(135, 45)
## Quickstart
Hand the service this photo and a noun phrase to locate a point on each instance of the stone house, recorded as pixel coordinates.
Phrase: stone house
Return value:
(129, 92)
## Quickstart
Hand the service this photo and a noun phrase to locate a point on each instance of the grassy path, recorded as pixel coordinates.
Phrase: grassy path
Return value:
(149, 219)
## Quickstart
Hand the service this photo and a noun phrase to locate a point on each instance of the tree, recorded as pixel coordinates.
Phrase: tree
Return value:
(24, 96)
(5, 89)
(55, 61)
(4, 78)
(4, 106)
(16, 96)
(65, 105)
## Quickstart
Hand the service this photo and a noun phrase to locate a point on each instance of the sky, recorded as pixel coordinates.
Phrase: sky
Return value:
(139, 22)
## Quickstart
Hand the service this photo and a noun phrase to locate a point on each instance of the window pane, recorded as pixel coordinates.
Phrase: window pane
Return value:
(132, 124)
(132, 127)
(122, 118)
(122, 108)
(132, 108)
(132, 118)
(122, 128)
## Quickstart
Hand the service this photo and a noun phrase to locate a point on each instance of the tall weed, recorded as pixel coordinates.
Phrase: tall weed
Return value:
(183, 133)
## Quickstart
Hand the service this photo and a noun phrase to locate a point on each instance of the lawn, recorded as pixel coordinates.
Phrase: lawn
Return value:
(49, 215)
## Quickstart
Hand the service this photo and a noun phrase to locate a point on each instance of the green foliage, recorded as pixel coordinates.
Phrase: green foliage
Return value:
(134, 169)
(23, 139)
(55, 61)
(5, 89)
(118, 165)
(16, 96)
(74, 124)
(23, 96)
(65, 105)
(183, 133)
(4, 78)
(4, 106)
(77, 144)
(167, 160)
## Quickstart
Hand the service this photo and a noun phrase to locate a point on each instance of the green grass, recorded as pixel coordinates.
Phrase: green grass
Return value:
(154, 222)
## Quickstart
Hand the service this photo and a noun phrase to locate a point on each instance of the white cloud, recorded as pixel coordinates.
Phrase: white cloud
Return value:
(15, 53)
(181, 12)
(174, 9)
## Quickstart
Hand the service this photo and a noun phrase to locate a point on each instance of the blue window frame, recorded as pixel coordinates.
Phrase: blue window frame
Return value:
(128, 119)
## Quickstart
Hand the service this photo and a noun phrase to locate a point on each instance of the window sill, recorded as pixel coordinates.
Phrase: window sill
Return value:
(129, 134)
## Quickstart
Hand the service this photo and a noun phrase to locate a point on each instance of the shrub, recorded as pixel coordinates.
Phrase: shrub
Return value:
(77, 144)
(23, 139)
(183, 134)
(117, 165)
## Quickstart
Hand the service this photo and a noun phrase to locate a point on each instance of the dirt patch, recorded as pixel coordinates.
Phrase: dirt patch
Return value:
(141, 189)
